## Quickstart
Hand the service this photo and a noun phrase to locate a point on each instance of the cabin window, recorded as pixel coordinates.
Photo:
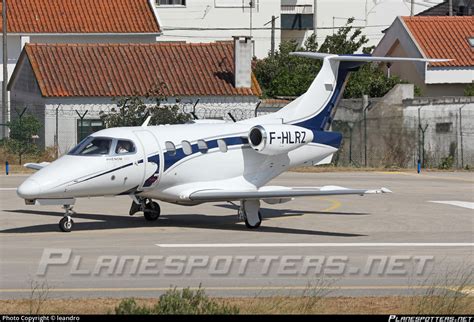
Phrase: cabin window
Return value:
(202, 145)
(170, 148)
(124, 147)
(93, 146)
(222, 145)
(187, 148)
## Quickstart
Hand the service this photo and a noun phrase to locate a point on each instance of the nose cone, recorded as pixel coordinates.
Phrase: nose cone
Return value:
(29, 189)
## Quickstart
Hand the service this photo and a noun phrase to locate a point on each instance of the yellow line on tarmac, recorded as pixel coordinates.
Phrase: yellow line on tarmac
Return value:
(335, 204)
(232, 288)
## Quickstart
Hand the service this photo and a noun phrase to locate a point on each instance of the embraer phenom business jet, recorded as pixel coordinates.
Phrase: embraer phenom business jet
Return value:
(208, 160)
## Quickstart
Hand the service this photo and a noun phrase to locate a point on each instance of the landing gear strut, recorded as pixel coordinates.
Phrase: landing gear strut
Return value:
(151, 209)
(249, 211)
(66, 223)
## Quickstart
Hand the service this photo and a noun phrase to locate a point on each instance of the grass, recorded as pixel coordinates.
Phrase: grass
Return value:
(246, 305)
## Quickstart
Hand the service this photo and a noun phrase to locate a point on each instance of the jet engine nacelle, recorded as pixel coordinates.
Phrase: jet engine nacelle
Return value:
(277, 139)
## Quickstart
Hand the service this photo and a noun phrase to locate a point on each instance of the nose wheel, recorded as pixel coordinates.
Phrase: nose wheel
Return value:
(66, 223)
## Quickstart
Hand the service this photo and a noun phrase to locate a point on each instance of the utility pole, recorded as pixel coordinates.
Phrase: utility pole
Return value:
(315, 19)
(5, 71)
(272, 46)
(412, 8)
(251, 6)
(450, 2)
(273, 36)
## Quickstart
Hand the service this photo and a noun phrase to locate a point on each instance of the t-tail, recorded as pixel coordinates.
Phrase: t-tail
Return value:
(315, 109)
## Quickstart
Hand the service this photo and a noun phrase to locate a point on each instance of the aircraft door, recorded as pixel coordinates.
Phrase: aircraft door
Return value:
(151, 159)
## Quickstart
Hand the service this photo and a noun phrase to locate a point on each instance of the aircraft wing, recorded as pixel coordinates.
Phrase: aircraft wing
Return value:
(36, 166)
(273, 192)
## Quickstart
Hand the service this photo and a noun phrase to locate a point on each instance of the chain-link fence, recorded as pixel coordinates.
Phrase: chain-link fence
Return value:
(435, 136)
(397, 136)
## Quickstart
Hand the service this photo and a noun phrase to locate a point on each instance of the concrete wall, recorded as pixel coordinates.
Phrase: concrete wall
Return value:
(449, 128)
(393, 136)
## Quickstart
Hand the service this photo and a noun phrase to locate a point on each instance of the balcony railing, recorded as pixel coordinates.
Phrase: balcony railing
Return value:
(297, 9)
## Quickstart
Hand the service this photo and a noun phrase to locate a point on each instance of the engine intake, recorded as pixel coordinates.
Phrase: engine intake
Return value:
(278, 139)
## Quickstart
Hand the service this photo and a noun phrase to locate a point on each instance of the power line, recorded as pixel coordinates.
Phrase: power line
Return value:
(260, 28)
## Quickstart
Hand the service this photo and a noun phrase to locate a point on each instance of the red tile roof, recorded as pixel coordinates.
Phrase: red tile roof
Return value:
(111, 70)
(80, 16)
(444, 37)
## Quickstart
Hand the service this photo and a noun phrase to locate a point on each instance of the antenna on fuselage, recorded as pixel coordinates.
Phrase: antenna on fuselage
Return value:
(145, 124)
(193, 113)
(231, 117)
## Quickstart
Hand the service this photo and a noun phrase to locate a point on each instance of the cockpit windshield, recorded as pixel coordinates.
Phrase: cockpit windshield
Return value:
(92, 146)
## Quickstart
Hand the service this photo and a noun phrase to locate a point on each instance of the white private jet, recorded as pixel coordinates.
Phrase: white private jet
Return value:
(208, 160)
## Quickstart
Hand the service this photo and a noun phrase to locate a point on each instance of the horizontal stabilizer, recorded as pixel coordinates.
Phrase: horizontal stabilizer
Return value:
(36, 166)
(365, 58)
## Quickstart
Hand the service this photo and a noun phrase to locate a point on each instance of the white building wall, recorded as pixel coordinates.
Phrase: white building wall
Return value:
(377, 15)
(219, 20)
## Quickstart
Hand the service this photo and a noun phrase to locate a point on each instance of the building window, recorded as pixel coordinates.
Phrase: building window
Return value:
(202, 146)
(187, 147)
(222, 145)
(87, 127)
(170, 148)
(171, 3)
(443, 127)
(471, 42)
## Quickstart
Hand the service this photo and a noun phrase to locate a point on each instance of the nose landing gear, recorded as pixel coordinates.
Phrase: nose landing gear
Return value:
(66, 223)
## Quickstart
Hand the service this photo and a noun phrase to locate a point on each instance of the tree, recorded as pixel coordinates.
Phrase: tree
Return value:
(469, 90)
(133, 110)
(21, 139)
(285, 75)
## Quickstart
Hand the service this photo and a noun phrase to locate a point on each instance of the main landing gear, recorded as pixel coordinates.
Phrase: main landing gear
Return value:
(66, 223)
(151, 209)
(249, 211)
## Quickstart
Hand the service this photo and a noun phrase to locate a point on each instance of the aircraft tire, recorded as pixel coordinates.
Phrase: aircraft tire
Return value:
(152, 211)
(65, 225)
(248, 225)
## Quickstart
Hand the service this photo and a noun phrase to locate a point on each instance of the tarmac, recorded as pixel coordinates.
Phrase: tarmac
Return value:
(403, 243)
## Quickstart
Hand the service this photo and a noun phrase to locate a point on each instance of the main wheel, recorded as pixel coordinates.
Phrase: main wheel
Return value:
(65, 224)
(152, 211)
(248, 225)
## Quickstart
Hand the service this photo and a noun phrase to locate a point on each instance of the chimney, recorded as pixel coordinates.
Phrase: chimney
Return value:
(242, 61)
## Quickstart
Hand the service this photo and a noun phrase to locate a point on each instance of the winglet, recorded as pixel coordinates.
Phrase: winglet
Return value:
(376, 191)
(145, 124)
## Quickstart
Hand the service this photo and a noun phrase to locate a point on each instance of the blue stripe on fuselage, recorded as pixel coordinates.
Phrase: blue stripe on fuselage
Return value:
(170, 160)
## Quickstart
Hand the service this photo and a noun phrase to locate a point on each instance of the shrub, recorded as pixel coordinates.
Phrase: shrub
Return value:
(174, 301)
(446, 163)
